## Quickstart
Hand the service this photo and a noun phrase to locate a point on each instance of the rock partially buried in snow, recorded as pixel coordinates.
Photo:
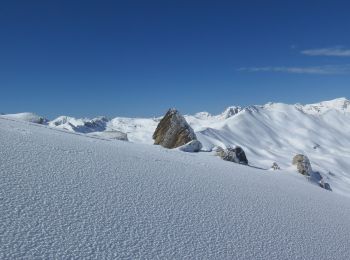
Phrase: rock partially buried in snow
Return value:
(327, 186)
(304, 167)
(236, 155)
(191, 147)
(275, 166)
(303, 164)
(173, 131)
(317, 178)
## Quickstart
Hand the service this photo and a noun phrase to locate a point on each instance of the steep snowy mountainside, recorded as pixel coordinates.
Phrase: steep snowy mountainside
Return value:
(277, 132)
(83, 125)
(339, 104)
(71, 196)
(138, 130)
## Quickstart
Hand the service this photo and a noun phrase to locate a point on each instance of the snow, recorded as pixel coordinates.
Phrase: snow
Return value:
(191, 147)
(28, 117)
(83, 125)
(339, 104)
(110, 135)
(67, 195)
(274, 132)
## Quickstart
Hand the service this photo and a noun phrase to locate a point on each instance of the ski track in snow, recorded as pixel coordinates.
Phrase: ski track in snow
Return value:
(69, 196)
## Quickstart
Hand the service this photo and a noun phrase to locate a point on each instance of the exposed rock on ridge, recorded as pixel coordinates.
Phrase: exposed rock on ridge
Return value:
(173, 131)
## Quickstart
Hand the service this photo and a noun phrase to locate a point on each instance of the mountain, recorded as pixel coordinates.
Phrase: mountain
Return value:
(68, 195)
(269, 133)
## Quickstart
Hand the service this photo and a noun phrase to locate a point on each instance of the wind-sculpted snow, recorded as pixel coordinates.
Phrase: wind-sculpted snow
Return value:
(70, 196)
(270, 133)
(27, 117)
(278, 132)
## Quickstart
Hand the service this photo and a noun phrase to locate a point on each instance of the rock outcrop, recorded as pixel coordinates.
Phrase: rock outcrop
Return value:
(173, 131)
(236, 155)
(304, 167)
(303, 164)
(327, 186)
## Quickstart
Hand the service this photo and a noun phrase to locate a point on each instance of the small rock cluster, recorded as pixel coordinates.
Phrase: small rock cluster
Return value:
(304, 167)
(275, 167)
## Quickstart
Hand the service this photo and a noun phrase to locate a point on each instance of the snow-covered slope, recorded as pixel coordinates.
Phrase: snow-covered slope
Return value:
(83, 125)
(72, 196)
(274, 132)
(28, 117)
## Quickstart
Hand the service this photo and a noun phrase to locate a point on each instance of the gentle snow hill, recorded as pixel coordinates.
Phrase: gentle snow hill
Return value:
(71, 196)
(28, 117)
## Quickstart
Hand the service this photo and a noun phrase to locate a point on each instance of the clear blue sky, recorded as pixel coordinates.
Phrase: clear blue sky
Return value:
(137, 58)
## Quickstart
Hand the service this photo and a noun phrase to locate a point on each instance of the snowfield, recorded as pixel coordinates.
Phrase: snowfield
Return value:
(67, 195)
(274, 132)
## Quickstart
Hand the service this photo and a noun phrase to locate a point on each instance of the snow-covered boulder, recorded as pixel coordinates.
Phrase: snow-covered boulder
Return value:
(236, 155)
(173, 130)
(191, 147)
(303, 164)
(28, 117)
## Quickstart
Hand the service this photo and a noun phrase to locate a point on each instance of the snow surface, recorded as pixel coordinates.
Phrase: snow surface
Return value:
(28, 117)
(274, 132)
(72, 196)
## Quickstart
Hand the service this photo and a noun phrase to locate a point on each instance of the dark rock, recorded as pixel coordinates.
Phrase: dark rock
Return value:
(327, 186)
(236, 155)
(275, 166)
(173, 130)
(316, 177)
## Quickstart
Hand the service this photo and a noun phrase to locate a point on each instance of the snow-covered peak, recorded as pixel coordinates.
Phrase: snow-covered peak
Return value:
(339, 104)
(83, 125)
(202, 115)
(230, 111)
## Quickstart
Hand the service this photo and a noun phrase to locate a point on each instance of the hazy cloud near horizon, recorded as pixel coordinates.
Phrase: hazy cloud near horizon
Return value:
(337, 51)
(320, 70)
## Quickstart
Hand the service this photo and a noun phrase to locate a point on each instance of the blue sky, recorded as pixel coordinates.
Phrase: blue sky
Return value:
(138, 58)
